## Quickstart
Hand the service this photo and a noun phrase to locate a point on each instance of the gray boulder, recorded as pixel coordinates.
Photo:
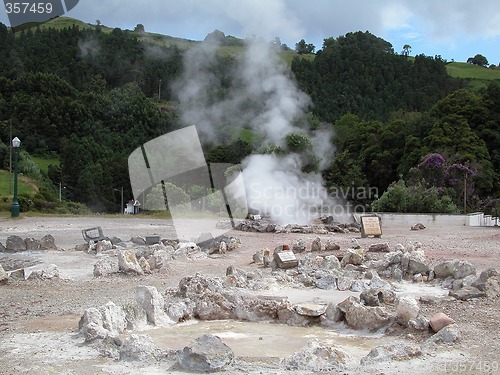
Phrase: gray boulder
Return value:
(105, 266)
(331, 245)
(32, 244)
(327, 282)
(135, 316)
(299, 246)
(316, 245)
(91, 325)
(448, 335)
(179, 309)
(377, 297)
(353, 256)
(458, 269)
(152, 302)
(138, 240)
(379, 248)
(160, 258)
(140, 348)
(418, 264)
(48, 243)
(393, 352)
(105, 321)
(316, 357)
(102, 246)
(331, 262)
(359, 286)
(467, 293)
(420, 323)
(206, 354)
(309, 309)
(360, 317)
(47, 272)
(377, 282)
(113, 319)
(488, 282)
(344, 283)
(15, 244)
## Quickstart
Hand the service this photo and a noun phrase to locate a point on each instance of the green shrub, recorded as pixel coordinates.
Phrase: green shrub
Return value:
(416, 199)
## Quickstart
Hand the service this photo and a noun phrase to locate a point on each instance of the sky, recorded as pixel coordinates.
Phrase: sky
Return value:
(454, 29)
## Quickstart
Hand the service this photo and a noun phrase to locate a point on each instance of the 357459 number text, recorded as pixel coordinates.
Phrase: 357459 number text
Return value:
(26, 8)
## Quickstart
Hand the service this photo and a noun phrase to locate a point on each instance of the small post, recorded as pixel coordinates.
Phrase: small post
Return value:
(15, 209)
(465, 194)
(120, 190)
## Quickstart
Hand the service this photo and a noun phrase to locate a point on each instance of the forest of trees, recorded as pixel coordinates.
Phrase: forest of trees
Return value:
(92, 97)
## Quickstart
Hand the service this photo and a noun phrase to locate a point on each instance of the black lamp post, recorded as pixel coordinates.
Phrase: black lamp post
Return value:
(15, 209)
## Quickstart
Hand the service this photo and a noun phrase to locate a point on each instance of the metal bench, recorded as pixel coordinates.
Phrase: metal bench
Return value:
(93, 234)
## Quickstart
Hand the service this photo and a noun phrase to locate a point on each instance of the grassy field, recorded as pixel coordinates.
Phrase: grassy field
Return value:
(44, 162)
(464, 70)
(24, 186)
(476, 76)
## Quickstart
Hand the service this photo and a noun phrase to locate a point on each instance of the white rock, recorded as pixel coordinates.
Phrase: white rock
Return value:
(206, 354)
(316, 357)
(139, 348)
(128, 263)
(4, 277)
(407, 309)
(152, 302)
(105, 266)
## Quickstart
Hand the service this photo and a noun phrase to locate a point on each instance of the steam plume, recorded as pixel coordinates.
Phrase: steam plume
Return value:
(264, 97)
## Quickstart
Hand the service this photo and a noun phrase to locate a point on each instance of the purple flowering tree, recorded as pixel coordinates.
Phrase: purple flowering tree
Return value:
(433, 170)
(455, 180)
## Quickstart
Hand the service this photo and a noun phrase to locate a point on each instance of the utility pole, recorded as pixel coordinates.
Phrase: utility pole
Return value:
(120, 190)
(465, 194)
(10, 160)
(159, 91)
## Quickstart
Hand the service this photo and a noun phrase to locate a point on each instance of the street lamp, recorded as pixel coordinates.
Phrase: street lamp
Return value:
(15, 209)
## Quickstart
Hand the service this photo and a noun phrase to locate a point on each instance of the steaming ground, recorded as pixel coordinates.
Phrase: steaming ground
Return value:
(39, 319)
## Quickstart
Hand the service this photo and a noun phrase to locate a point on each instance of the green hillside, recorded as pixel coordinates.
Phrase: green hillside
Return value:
(477, 76)
(60, 23)
(25, 186)
(92, 109)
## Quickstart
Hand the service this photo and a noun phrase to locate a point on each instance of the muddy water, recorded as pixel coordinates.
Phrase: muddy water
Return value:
(265, 340)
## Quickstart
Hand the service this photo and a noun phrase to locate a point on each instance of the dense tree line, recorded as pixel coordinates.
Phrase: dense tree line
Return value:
(92, 97)
(359, 73)
(86, 96)
(462, 129)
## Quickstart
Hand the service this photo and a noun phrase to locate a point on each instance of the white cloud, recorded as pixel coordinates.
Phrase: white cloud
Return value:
(439, 22)
(395, 16)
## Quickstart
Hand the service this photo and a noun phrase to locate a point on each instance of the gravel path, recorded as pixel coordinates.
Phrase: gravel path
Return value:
(36, 314)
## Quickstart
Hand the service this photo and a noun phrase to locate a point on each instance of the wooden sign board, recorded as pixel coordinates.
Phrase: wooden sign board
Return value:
(371, 226)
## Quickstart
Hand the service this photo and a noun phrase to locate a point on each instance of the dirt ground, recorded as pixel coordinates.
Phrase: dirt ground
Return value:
(39, 319)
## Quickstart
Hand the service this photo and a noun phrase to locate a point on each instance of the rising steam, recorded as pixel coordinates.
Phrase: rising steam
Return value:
(264, 97)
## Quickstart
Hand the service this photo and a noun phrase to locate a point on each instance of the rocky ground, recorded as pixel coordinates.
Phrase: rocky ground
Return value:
(39, 318)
